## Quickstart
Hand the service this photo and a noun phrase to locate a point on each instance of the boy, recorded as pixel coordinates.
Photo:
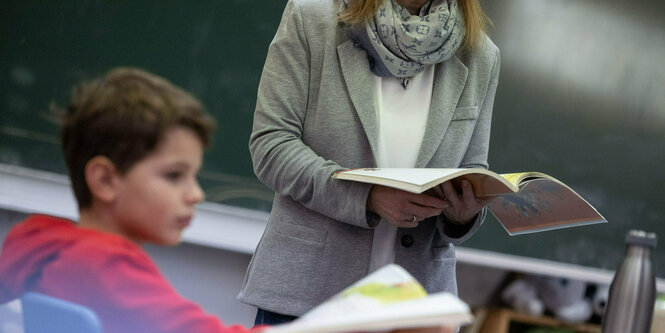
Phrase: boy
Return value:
(133, 144)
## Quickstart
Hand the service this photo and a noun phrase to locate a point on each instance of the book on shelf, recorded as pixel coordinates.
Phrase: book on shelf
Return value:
(525, 202)
(387, 299)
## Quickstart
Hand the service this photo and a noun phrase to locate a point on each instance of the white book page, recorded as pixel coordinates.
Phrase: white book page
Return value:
(419, 176)
(389, 298)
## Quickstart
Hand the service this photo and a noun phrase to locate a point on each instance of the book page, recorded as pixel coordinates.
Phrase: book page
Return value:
(385, 286)
(517, 177)
(389, 298)
(418, 180)
(415, 176)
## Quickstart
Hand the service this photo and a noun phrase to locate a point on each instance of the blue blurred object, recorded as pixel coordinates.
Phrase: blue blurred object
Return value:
(46, 314)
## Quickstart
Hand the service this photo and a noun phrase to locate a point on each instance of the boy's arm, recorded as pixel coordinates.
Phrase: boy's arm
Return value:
(135, 297)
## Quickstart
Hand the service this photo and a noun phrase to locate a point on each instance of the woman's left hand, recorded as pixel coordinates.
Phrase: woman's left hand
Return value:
(462, 207)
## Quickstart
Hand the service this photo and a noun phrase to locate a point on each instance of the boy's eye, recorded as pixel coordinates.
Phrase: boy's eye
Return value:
(173, 175)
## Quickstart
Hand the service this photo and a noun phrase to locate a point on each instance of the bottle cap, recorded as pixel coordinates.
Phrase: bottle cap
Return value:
(641, 238)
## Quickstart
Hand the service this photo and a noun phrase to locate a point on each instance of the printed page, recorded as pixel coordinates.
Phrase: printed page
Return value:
(517, 177)
(389, 298)
(416, 176)
(388, 285)
(418, 180)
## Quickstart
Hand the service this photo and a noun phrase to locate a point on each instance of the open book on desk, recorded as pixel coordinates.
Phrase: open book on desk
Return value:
(387, 299)
(526, 202)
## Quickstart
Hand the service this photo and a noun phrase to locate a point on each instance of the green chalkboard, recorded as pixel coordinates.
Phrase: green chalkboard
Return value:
(574, 104)
(215, 49)
(570, 102)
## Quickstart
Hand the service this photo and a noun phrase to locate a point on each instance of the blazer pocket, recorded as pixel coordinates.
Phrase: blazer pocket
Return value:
(466, 113)
(302, 232)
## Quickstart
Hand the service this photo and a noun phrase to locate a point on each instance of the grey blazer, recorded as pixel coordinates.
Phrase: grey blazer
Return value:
(315, 115)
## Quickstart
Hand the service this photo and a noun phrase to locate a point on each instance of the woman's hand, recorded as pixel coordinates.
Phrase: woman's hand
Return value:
(462, 207)
(403, 209)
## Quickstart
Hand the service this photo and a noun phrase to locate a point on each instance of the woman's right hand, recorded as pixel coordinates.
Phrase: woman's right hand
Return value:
(400, 207)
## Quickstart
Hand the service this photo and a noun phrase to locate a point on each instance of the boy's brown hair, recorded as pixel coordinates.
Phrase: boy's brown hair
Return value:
(124, 116)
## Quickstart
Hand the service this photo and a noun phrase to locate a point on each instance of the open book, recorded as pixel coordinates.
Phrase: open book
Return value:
(526, 202)
(387, 299)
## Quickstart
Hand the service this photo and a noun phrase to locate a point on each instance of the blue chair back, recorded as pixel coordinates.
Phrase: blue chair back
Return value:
(42, 314)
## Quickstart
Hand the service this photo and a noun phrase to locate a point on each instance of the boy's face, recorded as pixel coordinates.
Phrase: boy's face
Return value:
(157, 195)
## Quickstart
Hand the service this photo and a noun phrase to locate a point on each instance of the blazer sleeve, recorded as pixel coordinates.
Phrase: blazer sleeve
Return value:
(476, 157)
(280, 158)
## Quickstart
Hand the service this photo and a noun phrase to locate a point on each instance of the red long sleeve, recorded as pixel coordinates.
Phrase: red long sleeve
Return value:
(107, 273)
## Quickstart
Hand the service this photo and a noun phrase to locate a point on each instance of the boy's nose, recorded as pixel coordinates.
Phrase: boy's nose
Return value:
(195, 194)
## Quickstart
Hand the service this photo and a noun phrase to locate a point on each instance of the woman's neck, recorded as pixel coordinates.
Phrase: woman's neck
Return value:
(413, 6)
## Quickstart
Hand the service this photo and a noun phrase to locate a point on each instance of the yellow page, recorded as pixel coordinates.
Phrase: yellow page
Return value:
(514, 178)
(517, 177)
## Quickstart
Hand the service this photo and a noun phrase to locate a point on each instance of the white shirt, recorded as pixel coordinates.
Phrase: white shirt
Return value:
(402, 118)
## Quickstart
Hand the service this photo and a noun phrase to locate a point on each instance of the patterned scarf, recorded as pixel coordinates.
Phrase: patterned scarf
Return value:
(400, 44)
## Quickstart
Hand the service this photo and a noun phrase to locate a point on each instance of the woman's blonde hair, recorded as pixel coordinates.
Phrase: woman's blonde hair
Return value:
(476, 22)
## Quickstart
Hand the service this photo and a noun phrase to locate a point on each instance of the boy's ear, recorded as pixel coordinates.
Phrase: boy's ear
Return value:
(101, 176)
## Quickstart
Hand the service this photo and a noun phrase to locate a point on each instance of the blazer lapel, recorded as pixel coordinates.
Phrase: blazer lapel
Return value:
(358, 78)
(449, 80)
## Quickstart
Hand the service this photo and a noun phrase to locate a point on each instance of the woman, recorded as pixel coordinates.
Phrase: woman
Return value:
(363, 83)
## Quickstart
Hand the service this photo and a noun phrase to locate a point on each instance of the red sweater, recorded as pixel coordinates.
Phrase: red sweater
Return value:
(107, 273)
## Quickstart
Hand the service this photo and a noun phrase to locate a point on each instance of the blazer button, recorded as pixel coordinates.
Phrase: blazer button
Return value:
(407, 240)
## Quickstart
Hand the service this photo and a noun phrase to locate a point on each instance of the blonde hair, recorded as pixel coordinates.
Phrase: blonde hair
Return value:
(475, 19)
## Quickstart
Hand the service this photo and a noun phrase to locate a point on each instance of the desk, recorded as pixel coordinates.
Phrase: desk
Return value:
(502, 320)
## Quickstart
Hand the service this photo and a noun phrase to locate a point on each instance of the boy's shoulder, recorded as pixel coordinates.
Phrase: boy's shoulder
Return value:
(59, 243)
(99, 250)
(68, 259)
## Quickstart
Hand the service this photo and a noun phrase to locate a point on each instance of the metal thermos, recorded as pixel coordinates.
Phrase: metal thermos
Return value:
(633, 290)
